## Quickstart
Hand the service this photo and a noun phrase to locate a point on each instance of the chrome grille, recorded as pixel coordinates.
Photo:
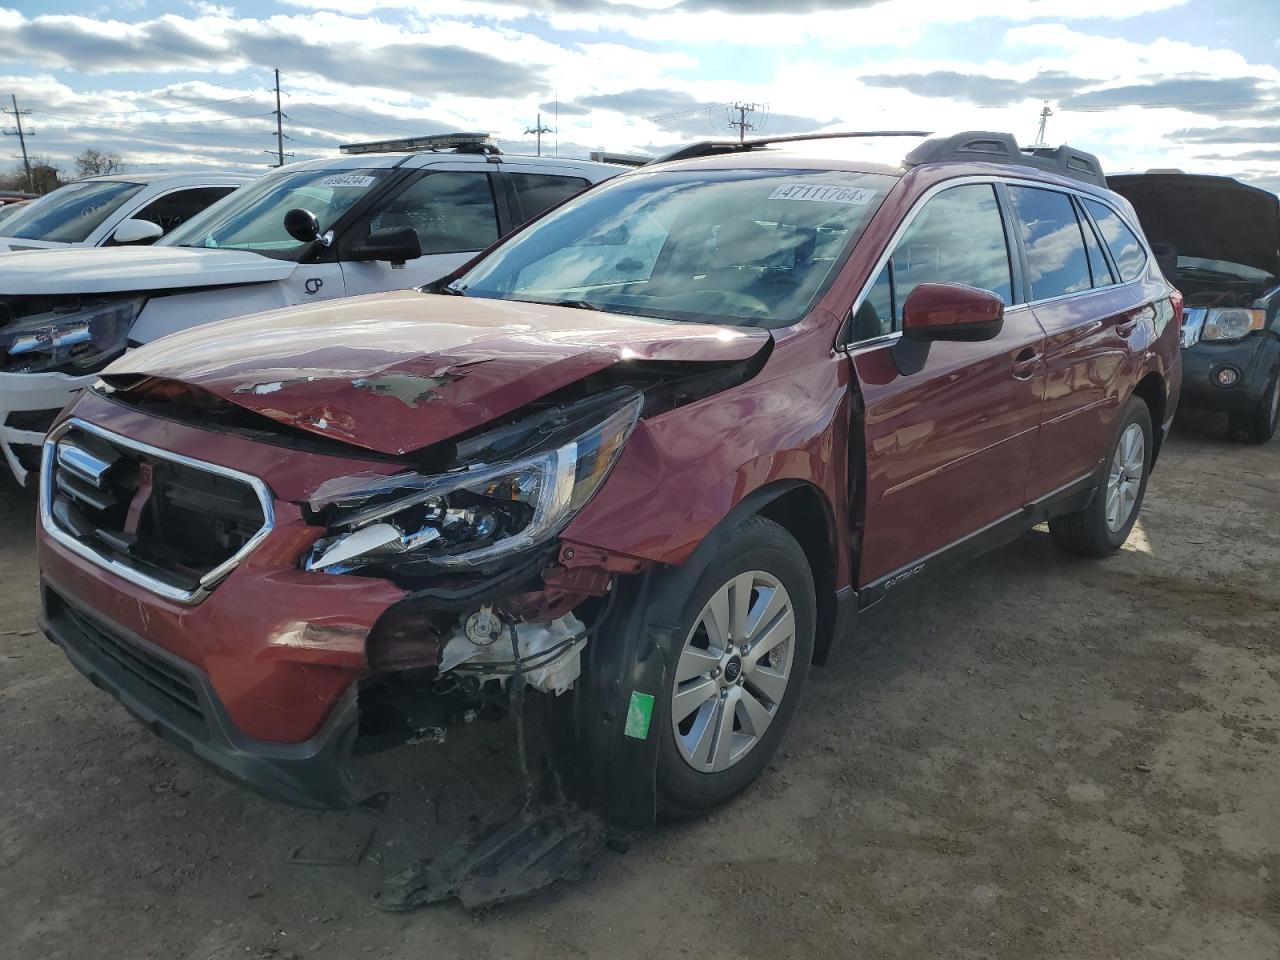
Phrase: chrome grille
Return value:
(167, 522)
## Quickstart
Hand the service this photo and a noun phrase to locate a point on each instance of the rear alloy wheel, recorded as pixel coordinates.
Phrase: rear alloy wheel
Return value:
(1260, 425)
(1104, 525)
(745, 647)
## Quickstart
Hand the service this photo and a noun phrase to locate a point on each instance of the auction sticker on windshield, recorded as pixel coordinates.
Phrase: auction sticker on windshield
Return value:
(823, 193)
(346, 180)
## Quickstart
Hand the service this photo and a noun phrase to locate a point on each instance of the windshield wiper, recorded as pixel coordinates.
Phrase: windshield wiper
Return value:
(572, 304)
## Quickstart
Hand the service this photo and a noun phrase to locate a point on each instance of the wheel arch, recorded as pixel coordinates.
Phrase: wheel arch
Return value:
(1151, 391)
(804, 511)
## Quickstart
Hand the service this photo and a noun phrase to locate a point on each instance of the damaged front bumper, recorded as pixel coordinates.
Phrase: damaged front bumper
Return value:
(29, 402)
(180, 704)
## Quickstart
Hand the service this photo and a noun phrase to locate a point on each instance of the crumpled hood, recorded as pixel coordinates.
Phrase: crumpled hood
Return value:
(397, 372)
(81, 270)
(1216, 218)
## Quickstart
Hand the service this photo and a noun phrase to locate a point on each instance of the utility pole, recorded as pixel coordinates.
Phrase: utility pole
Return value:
(1045, 114)
(539, 130)
(22, 139)
(742, 123)
(279, 124)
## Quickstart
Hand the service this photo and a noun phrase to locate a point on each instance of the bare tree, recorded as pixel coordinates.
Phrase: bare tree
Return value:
(96, 163)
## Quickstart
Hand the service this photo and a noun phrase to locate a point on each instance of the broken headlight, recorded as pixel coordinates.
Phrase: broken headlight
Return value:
(1227, 324)
(68, 340)
(486, 512)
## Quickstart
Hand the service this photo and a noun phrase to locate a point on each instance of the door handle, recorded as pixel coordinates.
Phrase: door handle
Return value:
(1126, 327)
(1026, 363)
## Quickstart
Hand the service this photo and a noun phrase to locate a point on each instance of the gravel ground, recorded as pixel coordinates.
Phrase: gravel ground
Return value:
(1040, 757)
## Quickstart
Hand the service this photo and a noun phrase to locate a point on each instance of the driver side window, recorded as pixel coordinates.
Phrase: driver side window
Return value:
(958, 237)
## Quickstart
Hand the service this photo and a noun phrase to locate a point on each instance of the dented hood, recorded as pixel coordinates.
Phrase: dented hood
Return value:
(397, 372)
(1215, 218)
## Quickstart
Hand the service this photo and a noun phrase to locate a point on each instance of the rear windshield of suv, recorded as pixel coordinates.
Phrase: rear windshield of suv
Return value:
(70, 213)
(739, 247)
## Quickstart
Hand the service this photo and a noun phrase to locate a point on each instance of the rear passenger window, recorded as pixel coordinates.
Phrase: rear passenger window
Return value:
(1102, 275)
(539, 192)
(1057, 264)
(1126, 249)
(958, 237)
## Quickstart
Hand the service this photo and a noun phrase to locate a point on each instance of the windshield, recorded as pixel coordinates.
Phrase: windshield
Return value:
(742, 247)
(69, 214)
(252, 218)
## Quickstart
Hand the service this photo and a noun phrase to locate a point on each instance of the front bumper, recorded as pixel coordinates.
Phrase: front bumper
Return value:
(1253, 359)
(180, 704)
(29, 401)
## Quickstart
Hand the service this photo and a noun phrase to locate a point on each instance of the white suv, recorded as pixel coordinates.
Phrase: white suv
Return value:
(112, 210)
(365, 222)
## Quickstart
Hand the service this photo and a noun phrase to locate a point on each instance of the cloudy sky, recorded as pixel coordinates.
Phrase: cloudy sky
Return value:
(177, 83)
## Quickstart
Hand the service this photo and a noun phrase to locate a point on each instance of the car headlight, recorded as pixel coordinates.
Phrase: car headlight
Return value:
(490, 511)
(74, 341)
(1232, 323)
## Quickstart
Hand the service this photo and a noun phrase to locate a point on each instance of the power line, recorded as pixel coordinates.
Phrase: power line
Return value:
(22, 139)
(352, 116)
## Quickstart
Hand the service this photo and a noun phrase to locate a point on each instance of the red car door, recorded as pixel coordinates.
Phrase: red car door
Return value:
(1089, 320)
(947, 448)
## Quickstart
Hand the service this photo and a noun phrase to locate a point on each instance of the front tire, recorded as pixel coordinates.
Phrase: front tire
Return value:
(741, 659)
(1260, 425)
(1101, 528)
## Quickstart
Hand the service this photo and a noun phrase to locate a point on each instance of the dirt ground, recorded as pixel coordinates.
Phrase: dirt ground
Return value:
(1041, 757)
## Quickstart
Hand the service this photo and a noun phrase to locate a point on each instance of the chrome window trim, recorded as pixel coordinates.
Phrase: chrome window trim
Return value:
(938, 188)
(124, 571)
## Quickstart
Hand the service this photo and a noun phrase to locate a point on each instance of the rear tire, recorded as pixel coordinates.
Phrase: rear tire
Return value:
(1260, 425)
(743, 666)
(1101, 528)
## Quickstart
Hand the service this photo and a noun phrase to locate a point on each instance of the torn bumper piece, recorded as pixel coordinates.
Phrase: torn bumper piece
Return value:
(28, 404)
(178, 703)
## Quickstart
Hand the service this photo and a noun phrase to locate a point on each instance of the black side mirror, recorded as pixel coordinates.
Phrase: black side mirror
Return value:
(393, 244)
(301, 224)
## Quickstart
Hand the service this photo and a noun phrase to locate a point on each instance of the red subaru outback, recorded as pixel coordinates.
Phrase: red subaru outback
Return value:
(650, 455)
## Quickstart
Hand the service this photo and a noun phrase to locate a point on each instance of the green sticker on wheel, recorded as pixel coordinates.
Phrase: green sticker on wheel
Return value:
(639, 714)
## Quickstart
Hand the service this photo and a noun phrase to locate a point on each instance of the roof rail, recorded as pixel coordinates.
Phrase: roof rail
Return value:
(457, 142)
(985, 147)
(710, 148)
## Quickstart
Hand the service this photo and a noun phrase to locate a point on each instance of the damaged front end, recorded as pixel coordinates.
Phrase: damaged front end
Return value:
(489, 603)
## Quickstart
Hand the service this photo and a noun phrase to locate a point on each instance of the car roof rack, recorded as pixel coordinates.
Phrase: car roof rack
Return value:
(457, 142)
(711, 148)
(982, 146)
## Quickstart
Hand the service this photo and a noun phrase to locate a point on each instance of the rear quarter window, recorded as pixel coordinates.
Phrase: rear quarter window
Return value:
(1126, 248)
(539, 192)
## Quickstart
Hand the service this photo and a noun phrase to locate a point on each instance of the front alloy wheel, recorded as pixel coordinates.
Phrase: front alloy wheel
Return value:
(737, 665)
(732, 674)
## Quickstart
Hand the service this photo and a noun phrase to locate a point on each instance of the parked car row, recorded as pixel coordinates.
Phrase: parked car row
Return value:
(370, 221)
(650, 453)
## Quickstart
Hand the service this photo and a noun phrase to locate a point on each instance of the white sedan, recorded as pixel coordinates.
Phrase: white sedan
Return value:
(126, 208)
